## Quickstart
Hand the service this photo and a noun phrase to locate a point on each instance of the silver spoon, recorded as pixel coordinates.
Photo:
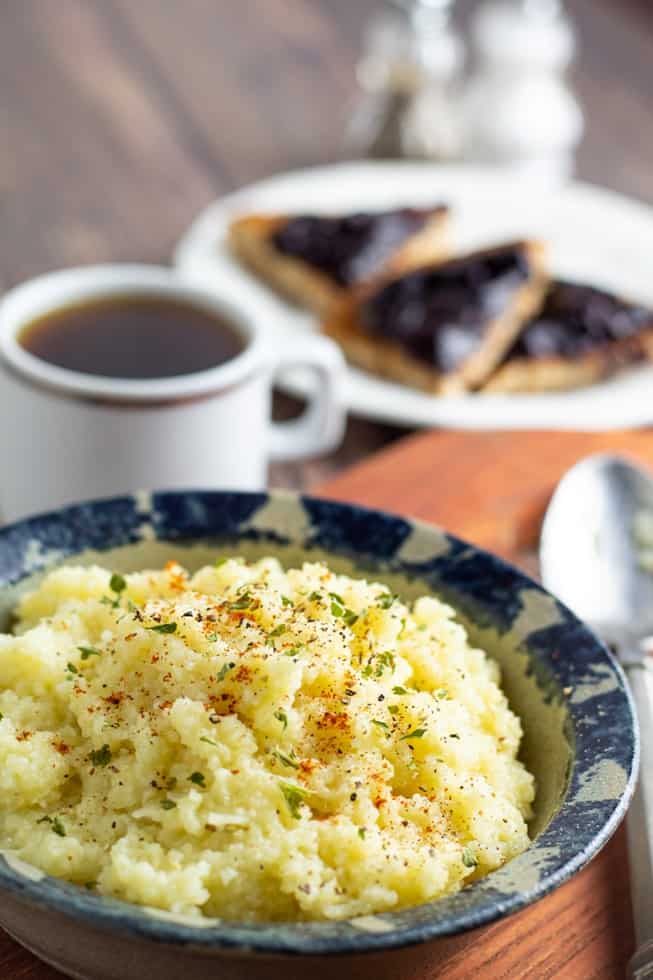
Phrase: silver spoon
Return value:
(592, 556)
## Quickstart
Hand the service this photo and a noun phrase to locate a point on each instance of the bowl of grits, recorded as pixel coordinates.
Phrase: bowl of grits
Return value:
(263, 734)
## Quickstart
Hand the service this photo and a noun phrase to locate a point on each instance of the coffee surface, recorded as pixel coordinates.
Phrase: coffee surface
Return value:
(142, 337)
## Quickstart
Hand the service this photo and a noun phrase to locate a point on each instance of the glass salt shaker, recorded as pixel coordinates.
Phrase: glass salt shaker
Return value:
(408, 73)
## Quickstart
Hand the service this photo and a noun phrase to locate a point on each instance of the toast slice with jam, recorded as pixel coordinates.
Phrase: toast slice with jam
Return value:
(579, 336)
(317, 260)
(444, 327)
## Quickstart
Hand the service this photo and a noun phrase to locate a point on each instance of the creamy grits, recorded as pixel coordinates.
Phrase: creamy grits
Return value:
(254, 744)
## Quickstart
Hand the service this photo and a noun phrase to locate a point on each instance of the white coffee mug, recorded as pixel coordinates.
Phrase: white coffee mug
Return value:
(66, 436)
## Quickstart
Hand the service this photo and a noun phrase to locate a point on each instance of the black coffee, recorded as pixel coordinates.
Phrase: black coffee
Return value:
(132, 337)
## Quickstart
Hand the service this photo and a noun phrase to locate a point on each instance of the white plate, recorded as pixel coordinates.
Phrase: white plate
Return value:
(592, 234)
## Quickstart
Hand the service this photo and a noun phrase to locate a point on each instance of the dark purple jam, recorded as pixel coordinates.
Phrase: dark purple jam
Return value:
(576, 319)
(352, 248)
(439, 314)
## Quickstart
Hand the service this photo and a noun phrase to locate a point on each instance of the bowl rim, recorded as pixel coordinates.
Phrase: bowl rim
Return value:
(341, 937)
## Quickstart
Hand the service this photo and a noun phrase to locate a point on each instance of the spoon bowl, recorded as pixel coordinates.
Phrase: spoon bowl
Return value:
(590, 555)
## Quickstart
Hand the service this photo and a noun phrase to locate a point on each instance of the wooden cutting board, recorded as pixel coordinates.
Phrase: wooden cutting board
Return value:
(491, 488)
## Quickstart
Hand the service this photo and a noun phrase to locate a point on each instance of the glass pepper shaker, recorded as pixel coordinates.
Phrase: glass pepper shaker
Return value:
(408, 75)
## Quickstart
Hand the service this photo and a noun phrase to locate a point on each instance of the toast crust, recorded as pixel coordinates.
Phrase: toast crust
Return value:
(524, 375)
(250, 239)
(389, 359)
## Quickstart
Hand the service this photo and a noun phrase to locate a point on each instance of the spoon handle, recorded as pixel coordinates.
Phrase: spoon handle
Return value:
(639, 827)
(641, 965)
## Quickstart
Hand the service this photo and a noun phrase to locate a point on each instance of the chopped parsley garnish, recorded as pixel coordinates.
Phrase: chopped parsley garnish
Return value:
(101, 757)
(416, 733)
(315, 596)
(163, 628)
(386, 600)
(56, 825)
(87, 652)
(385, 659)
(393, 708)
(209, 741)
(198, 779)
(287, 760)
(71, 668)
(382, 661)
(219, 562)
(294, 797)
(224, 670)
(340, 611)
(277, 631)
(442, 694)
(381, 724)
(168, 804)
(294, 651)
(281, 716)
(399, 690)
(58, 828)
(117, 583)
(286, 601)
(468, 858)
(243, 602)
(337, 609)
(361, 833)
(212, 637)
(1, 716)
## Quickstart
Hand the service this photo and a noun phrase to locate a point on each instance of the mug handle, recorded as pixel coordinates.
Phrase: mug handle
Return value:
(321, 425)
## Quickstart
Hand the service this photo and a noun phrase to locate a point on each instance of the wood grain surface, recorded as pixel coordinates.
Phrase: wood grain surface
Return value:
(492, 489)
(119, 121)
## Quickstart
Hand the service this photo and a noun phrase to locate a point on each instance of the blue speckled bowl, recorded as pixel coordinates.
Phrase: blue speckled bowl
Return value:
(580, 735)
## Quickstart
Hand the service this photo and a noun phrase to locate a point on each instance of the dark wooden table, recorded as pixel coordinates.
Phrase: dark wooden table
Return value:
(119, 121)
